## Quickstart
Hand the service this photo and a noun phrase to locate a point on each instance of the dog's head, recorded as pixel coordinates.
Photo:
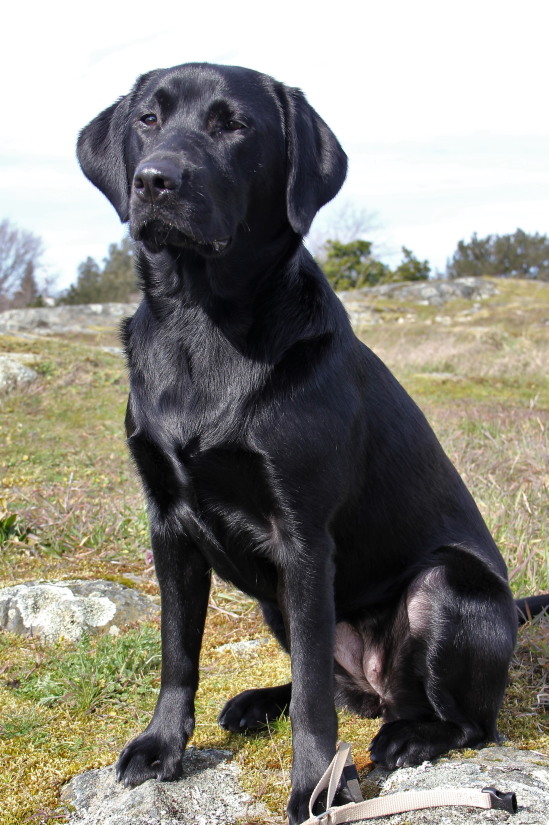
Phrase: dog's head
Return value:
(197, 154)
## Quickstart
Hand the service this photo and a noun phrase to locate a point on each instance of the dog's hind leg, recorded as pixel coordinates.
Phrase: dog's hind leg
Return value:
(443, 681)
(255, 708)
(275, 620)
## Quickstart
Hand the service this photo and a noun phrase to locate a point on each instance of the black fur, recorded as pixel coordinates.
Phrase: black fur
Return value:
(278, 450)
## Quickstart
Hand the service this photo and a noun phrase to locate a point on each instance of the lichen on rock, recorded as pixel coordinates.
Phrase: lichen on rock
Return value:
(68, 609)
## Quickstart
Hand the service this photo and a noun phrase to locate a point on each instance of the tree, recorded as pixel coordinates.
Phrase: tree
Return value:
(20, 253)
(518, 255)
(411, 269)
(115, 281)
(351, 265)
(118, 277)
(87, 287)
(28, 293)
(348, 260)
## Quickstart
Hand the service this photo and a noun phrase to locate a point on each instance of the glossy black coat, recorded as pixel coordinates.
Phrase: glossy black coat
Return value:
(278, 450)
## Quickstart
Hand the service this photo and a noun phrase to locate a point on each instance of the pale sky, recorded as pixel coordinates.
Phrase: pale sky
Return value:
(441, 107)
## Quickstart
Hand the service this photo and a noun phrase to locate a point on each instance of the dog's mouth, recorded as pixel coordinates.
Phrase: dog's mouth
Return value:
(157, 235)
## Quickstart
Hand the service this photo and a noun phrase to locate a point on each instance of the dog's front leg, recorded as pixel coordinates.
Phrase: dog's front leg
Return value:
(307, 601)
(184, 579)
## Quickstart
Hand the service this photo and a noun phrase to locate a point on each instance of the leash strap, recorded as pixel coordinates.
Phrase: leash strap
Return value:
(393, 803)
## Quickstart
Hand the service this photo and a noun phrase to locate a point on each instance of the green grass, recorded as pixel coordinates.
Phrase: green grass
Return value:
(70, 506)
(97, 673)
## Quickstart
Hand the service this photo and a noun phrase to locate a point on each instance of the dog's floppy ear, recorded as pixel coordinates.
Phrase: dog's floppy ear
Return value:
(317, 164)
(101, 150)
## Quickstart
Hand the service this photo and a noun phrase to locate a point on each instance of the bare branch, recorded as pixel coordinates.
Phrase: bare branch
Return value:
(345, 222)
(20, 253)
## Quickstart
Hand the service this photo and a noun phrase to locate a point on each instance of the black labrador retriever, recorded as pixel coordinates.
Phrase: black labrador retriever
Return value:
(278, 450)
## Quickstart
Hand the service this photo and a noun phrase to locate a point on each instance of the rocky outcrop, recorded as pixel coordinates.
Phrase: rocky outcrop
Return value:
(431, 292)
(209, 793)
(525, 773)
(64, 319)
(93, 317)
(67, 609)
(359, 303)
(15, 372)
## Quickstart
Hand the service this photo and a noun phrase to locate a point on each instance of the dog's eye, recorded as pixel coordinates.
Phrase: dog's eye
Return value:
(149, 119)
(234, 125)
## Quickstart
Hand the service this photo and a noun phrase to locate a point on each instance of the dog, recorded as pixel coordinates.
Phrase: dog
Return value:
(276, 449)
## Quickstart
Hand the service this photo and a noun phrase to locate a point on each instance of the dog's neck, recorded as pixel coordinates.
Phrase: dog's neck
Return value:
(261, 305)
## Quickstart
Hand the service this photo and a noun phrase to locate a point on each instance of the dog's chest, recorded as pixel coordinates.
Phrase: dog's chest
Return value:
(194, 430)
(222, 496)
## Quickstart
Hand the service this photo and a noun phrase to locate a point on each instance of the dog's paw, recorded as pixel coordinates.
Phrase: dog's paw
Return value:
(298, 805)
(404, 742)
(253, 709)
(150, 756)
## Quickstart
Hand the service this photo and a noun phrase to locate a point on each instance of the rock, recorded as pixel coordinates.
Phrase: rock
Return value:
(67, 609)
(526, 773)
(63, 319)
(14, 374)
(437, 291)
(207, 794)
(90, 318)
(358, 309)
(358, 302)
(244, 647)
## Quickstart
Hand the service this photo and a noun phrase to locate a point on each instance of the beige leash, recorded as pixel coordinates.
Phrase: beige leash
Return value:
(397, 803)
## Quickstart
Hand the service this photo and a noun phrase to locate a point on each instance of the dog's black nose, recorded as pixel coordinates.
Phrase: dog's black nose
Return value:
(153, 181)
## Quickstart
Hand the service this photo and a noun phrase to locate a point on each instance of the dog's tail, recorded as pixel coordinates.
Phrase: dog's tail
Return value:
(532, 606)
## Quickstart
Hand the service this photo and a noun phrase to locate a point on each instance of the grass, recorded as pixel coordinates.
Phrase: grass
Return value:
(70, 506)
